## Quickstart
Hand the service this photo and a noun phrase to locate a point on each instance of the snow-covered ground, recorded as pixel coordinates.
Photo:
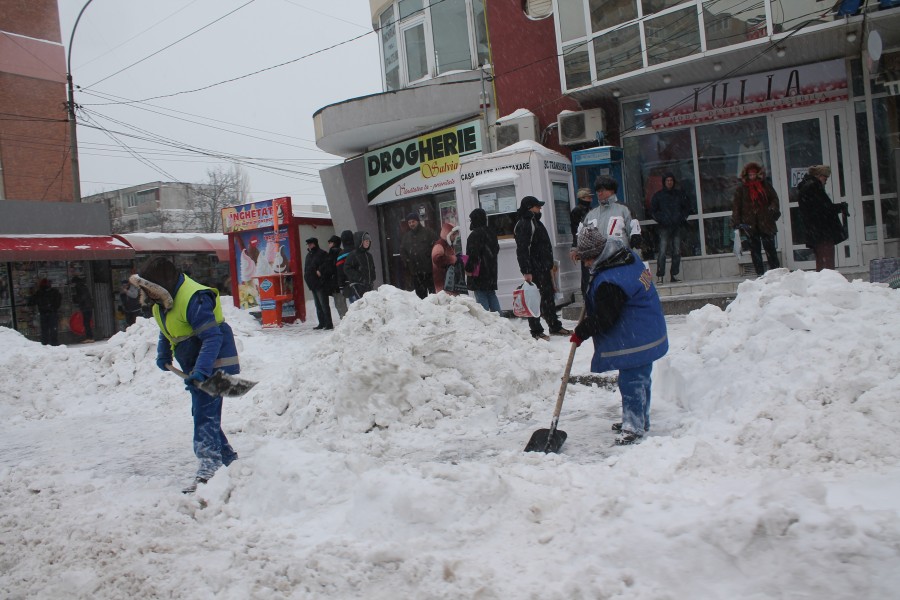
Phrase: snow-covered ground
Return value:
(385, 460)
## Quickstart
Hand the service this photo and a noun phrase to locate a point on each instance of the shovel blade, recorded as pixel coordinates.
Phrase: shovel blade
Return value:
(546, 440)
(223, 384)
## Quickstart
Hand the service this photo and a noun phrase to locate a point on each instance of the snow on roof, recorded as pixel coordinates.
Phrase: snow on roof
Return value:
(517, 148)
(516, 114)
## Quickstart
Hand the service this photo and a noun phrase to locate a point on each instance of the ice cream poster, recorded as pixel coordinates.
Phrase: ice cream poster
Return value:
(260, 252)
(257, 215)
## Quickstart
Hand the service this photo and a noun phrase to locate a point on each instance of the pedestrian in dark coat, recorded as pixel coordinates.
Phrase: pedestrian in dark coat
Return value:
(81, 297)
(130, 298)
(670, 208)
(754, 210)
(47, 299)
(359, 267)
(819, 216)
(316, 264)
(482, 249)
(583, 199)
(347, 247)
(624, 317)
(334, 253)
(534, 252)
(415, 249)
(193, 331)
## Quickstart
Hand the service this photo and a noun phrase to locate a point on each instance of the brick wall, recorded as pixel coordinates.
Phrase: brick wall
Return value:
(34, 18)
(34, 139)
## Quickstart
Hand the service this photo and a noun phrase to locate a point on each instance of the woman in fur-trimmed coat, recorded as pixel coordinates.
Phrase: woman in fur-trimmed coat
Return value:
(754, 211)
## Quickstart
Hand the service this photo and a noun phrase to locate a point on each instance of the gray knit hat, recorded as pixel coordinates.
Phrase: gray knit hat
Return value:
(820, 171)
(591, 243)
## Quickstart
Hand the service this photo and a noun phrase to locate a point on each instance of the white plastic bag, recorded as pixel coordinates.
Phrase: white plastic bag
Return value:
(738, 250)
(527, 300)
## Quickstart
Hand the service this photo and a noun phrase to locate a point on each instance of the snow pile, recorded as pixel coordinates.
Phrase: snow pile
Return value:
(398, 360)
(818, 360)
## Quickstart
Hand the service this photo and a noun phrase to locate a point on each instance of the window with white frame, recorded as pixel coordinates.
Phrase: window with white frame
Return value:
(420, 39)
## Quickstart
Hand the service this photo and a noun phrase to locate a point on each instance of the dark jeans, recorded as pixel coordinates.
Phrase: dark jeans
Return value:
(87, 315)
(767, 242)
(210, 444)
(667, 235)
(544, 282)
(423, 284)
(50, 328)
(323, 308)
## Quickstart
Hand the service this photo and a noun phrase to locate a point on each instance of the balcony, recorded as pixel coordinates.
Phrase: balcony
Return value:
(352, 127)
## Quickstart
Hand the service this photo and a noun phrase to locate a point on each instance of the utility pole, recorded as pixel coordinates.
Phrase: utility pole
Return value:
(70, 110)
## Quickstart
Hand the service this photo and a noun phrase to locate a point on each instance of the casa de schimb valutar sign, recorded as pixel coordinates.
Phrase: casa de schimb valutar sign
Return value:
(422, 165)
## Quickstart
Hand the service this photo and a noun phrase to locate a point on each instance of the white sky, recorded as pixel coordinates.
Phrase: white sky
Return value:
(385, 460)
(269, 116)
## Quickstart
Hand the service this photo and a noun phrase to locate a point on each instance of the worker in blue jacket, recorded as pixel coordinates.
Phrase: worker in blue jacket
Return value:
(194, 331)
(624, 316)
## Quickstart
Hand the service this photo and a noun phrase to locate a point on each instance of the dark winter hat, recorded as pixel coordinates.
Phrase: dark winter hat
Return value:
(412, 216)
(820, 171)
(478, 218)
(335, 240)
(528, 202)
(312, 240)
(752, 166)
(591, 243)
(347, 240)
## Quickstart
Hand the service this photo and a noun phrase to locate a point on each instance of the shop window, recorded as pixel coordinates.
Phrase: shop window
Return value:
(886, 115)
(690, 241)
(451, 38)
(618, 52)
(722, 151)
(648, 158)
(673, 35)
(577, 66)
(390, 54)
(409, 7)
(862, 149)
(718, 235)
(571, 20)
(562, 210)
(415, 52)
(610, 13)
(500, 205)
(636, 115)
(730, 22)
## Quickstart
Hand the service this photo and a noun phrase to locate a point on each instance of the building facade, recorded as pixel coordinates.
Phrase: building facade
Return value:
(158, 206)
(34, 140)
(693, 87)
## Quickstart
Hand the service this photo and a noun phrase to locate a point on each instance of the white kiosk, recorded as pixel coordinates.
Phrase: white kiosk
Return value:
(497, 182)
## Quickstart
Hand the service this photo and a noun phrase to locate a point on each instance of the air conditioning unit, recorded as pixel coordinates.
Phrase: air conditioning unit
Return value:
(510, 131)
(581, 127)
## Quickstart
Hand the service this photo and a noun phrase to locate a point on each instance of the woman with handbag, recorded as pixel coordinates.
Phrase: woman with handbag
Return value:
(482, 248)
(819, 216)
(443, 256)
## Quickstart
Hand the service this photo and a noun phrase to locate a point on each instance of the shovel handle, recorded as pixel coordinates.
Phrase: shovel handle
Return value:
(177, 371)
(565, 379)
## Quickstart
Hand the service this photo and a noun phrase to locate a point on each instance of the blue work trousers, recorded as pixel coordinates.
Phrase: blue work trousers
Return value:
(210, 444)
(634, 385)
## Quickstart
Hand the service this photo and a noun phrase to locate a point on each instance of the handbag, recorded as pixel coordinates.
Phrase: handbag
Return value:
(455, 279)
(738, 250)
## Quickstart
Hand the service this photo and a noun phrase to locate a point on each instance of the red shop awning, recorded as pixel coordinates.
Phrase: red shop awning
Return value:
(62, 247)
(174, 243)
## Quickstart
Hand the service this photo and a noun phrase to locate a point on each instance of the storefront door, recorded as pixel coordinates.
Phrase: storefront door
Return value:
(393, 224)
(805, 140)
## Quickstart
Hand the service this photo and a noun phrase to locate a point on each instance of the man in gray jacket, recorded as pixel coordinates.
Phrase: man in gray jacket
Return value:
(610, 216)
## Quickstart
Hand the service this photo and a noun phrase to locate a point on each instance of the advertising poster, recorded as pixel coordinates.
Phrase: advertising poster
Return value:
(259, 233)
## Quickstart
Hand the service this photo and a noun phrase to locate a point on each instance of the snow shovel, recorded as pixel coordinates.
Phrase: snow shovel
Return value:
(220, 384)
(551, 440)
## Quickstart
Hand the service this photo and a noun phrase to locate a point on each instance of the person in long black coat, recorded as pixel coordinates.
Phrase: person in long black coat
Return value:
(482, 248)
(819, 216)
(359, 267)
(316, 263)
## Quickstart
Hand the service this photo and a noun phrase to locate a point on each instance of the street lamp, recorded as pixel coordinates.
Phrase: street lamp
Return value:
(73, 139)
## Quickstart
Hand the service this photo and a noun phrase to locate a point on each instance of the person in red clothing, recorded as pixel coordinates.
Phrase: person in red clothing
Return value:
(443, 255)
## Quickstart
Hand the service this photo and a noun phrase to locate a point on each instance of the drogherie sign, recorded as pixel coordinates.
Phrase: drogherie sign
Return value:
(423, 165)
(749, 95)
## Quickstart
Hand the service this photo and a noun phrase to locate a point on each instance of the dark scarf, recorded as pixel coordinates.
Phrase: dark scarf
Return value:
(757, 193)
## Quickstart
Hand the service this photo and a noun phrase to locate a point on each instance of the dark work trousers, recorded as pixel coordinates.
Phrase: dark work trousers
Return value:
(544, 282)
(423, 283)
(323, 308)
(50, 328)
(767, 242)
(211, 446)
